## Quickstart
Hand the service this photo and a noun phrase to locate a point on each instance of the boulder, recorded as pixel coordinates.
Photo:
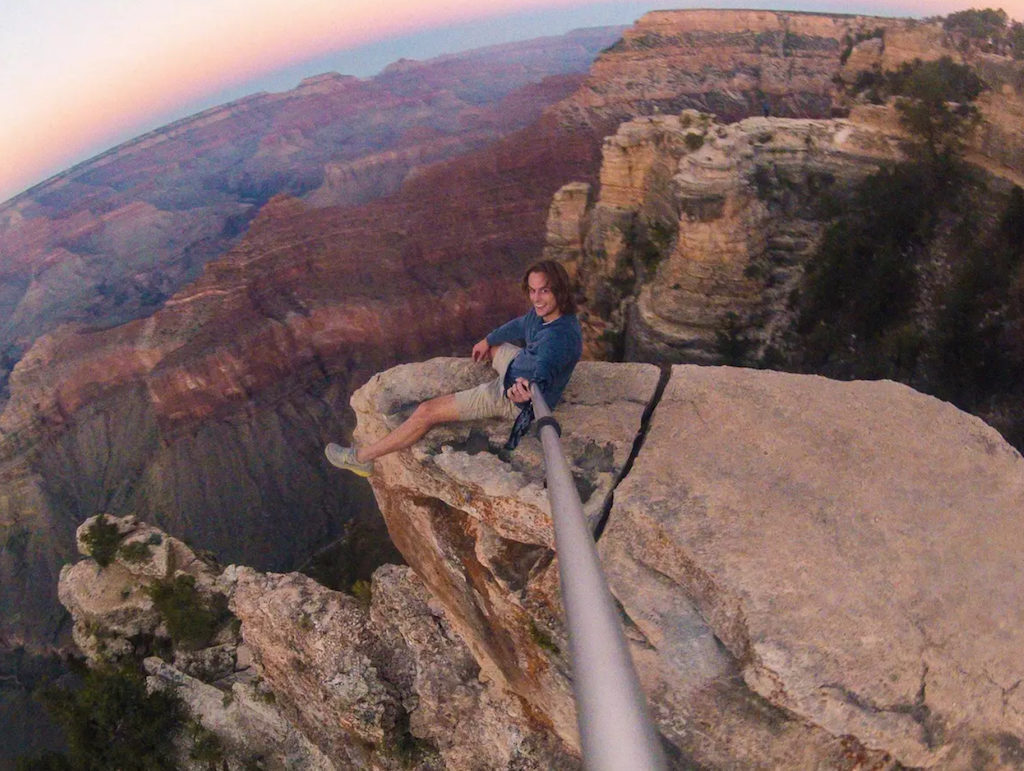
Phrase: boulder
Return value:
(855, 546)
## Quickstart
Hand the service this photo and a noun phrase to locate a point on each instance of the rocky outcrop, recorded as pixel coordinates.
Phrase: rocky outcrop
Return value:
(811, 573)
(806, 567)
(703, 229)
(301, 676)
(477, 527)
(837, 537)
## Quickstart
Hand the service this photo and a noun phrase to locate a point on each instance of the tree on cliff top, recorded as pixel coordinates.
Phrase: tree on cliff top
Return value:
(977, 24)
(112, 721)
(989, 29)
(934, 100)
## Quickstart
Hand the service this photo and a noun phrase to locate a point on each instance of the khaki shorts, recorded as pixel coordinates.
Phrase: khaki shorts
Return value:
(488, 400)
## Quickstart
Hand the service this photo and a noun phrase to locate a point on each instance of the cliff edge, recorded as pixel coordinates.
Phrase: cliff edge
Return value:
(811, 573)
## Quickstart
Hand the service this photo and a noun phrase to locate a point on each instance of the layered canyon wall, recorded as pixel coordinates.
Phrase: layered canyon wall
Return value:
(261, 351)
(700, 229)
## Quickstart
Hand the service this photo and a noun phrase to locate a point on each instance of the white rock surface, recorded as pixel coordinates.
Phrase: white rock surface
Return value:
(857, 547)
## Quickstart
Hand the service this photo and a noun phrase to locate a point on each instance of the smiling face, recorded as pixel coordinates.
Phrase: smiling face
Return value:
(542, 298)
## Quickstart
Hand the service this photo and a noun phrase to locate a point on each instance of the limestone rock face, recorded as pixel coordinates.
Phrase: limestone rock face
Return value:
(475, 525)
(567, 224)
(854, 546)
(110, 606)
(307, 677)
(812, 573)
(733, 64)
(700, 226)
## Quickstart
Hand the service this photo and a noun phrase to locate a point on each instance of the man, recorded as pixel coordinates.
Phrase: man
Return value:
(552, 342)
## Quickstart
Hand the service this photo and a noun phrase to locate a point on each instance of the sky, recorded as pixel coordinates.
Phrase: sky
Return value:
(78, 77)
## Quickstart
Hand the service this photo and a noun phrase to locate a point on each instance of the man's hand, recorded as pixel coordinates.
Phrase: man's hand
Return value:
(519, 391)
(482, 351)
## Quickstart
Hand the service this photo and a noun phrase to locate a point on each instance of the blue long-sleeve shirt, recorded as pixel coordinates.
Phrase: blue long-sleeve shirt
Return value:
(550, 351)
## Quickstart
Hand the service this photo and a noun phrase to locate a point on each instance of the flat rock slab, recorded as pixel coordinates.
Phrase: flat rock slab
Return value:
(463, 464)
(857, 547)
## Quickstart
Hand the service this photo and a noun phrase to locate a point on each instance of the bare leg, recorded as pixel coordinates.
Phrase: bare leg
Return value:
(440, 409)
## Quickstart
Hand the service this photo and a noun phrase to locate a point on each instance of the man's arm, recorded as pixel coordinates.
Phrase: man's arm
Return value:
(508, 332)
(555, 359)
(484, 351)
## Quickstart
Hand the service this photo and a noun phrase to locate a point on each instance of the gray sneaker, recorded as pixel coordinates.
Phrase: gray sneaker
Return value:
(345, 457)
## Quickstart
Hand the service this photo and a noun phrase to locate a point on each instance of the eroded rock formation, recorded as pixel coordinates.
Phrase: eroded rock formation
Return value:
(299, 676)
(812, 573)
(698, 223)
(699, 232)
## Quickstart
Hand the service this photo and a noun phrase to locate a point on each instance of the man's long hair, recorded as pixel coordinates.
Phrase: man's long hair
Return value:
(558, 281)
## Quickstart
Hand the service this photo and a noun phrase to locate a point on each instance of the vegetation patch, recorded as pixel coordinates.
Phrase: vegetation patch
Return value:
(860, 37)
(980, 330)
(543, 639)
(16, 540)
(732, 341)
(112, 721)
(989, 29)
(191, 618)
(102, 539)
(136, 551)
(207, 748)
(361, 590)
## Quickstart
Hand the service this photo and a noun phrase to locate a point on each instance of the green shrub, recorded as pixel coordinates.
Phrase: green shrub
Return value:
(975, 23)
(863, 280)
(191, 618)
(113, 722)
(136, 551)
(694, 141)
(1017, 40)
(48, 761)
(102, 539)
(361, 590)
(16, 541)
(938, 80)
(731, 340)
(207, 747)
(979, 342)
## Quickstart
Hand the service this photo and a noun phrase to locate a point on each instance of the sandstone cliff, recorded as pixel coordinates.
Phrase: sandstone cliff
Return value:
(698, 223)
(699, 231)
(808, 569)
(812, 574)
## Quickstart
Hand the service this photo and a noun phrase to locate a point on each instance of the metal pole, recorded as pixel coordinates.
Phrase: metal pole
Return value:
(616, 732)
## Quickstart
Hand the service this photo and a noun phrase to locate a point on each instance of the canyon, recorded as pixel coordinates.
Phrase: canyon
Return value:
(659, 180)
